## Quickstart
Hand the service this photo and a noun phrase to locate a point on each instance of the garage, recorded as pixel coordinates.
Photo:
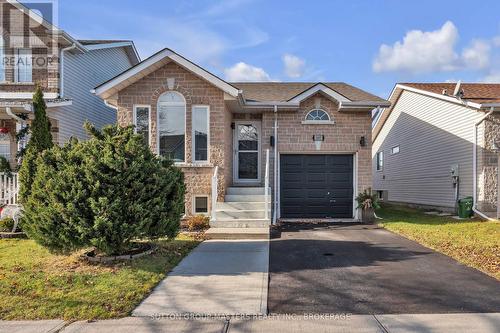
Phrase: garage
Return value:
(316, 186)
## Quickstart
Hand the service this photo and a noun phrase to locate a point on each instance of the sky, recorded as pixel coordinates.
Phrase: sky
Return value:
(369, 44)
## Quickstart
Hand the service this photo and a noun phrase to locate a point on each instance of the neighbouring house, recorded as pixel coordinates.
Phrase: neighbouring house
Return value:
(310, 143)
(34, 52)
(439, 142)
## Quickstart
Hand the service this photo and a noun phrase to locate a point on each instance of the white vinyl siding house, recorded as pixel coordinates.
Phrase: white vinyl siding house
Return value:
(82, 72)
(431, 135)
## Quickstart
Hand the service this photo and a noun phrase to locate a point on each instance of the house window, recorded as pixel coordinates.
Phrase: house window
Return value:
(142, 121)
(2, 61)
(380, 195)
(24, 66)
(395, 150)
(172, 126)
(5, 146)
(380, 160)
(201, 205)
(200, 133)
(317, 115)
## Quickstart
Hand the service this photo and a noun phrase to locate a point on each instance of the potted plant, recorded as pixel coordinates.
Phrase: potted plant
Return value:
(367, 202)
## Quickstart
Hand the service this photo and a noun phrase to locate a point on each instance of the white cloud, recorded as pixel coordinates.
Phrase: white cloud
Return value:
(245, 72)
(294, 66)
(477, 56)
(420, 51)
(493, 77)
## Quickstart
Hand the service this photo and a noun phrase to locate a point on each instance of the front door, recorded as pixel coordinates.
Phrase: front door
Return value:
(247, 145)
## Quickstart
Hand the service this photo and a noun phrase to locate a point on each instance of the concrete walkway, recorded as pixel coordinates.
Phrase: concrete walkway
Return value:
(424, 323)
(219, 277)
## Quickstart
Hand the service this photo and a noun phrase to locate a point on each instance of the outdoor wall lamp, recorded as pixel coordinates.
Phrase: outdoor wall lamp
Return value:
(318, 139)
(362, 141)
(495, 146)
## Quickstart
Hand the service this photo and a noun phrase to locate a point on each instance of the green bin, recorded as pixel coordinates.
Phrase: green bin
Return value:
(465, 207)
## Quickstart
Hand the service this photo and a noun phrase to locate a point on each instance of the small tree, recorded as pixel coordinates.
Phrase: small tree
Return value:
(104, 192)
(40, 140)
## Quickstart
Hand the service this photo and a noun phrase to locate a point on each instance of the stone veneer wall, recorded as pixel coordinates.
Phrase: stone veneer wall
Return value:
(488, 165)
(195, 91)
(343, 136)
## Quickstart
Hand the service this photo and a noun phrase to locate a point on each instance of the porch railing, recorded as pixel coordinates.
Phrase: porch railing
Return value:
(215, 193)
(266, 186)
(9, 188)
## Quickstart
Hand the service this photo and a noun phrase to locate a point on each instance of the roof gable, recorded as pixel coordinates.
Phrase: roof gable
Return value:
(149, 65)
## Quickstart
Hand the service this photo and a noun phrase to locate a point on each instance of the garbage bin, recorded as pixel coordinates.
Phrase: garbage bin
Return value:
(465, 207)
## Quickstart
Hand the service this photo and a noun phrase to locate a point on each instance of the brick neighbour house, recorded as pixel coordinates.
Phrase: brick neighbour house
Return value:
(34, 53)
(242, 118)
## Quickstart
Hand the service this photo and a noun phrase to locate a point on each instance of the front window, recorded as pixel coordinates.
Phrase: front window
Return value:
(141, 122)
(24, 66)
(380, 160)
(200, 133)
(172, 126)
(5, 146)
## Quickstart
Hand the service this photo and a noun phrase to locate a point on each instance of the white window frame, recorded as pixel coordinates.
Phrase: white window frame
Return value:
(16, 67)
(158, 123)
(329, 121)
(194, 204)
(393, 148)
(193, 156)
(379, 166)
(5, 140)
(136, 106)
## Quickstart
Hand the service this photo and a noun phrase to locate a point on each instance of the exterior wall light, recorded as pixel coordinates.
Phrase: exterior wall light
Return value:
(362, 141)
(318, 139)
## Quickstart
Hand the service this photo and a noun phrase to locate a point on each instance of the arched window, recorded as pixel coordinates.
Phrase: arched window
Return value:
(172, 126)
(317, 115)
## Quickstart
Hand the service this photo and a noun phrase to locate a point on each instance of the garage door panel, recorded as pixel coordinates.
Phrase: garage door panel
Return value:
(316, 186)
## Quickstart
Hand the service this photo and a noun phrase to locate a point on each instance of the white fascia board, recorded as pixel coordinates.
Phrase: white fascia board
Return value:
(219, 83)
(25, 95)
(166, 53)
(364, 104)
(59, 104)
(319, 87)
(270, 104)
(132, 72)
(442, 97)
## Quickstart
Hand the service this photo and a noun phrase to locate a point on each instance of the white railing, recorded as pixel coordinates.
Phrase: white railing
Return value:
(266, 185)
(9, 188)
(214, 193)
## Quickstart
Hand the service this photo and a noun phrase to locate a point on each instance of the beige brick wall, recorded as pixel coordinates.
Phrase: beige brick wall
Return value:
(343, 136)
(195, 91)
(47, 74)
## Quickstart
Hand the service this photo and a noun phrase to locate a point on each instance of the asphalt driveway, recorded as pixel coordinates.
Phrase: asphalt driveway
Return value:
(368, 270)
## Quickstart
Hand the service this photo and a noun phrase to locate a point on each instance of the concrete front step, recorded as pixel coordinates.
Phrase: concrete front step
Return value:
(235, 205)
(237, 233)
(246, 190)
(241, 214)
(245, 198)
(241, 223)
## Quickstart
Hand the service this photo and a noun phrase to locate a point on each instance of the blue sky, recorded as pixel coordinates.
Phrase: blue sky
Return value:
(370, 44)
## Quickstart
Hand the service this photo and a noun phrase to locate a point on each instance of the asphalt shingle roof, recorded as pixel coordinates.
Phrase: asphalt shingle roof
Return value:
(474, 92)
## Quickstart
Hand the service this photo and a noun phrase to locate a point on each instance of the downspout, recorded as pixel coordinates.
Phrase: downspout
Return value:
(474, 167)
(109, 105)
(8, 110)
(275, 169)
(61, 69)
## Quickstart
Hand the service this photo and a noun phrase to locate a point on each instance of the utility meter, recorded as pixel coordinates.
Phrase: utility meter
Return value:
(454, 174)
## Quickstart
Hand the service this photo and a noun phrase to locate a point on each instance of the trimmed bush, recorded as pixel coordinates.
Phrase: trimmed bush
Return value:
(198, 222)
(104, 192)
(5, 166)
(6, 224)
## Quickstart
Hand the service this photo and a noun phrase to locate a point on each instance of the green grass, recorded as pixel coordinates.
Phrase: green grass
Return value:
(474, 243)
(35, 284)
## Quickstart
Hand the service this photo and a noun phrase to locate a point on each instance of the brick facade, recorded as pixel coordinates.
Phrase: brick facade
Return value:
(17, 27)
(196, 91)
(341, 137)
(488, 164)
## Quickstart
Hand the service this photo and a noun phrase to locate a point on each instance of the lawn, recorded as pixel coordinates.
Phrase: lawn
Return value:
(473, 242)
(35, 284)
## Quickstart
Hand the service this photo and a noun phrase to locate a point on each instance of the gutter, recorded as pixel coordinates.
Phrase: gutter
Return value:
(8, 110)
(109, 105)
(474, 167)
(61, 69)
(275, 169)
